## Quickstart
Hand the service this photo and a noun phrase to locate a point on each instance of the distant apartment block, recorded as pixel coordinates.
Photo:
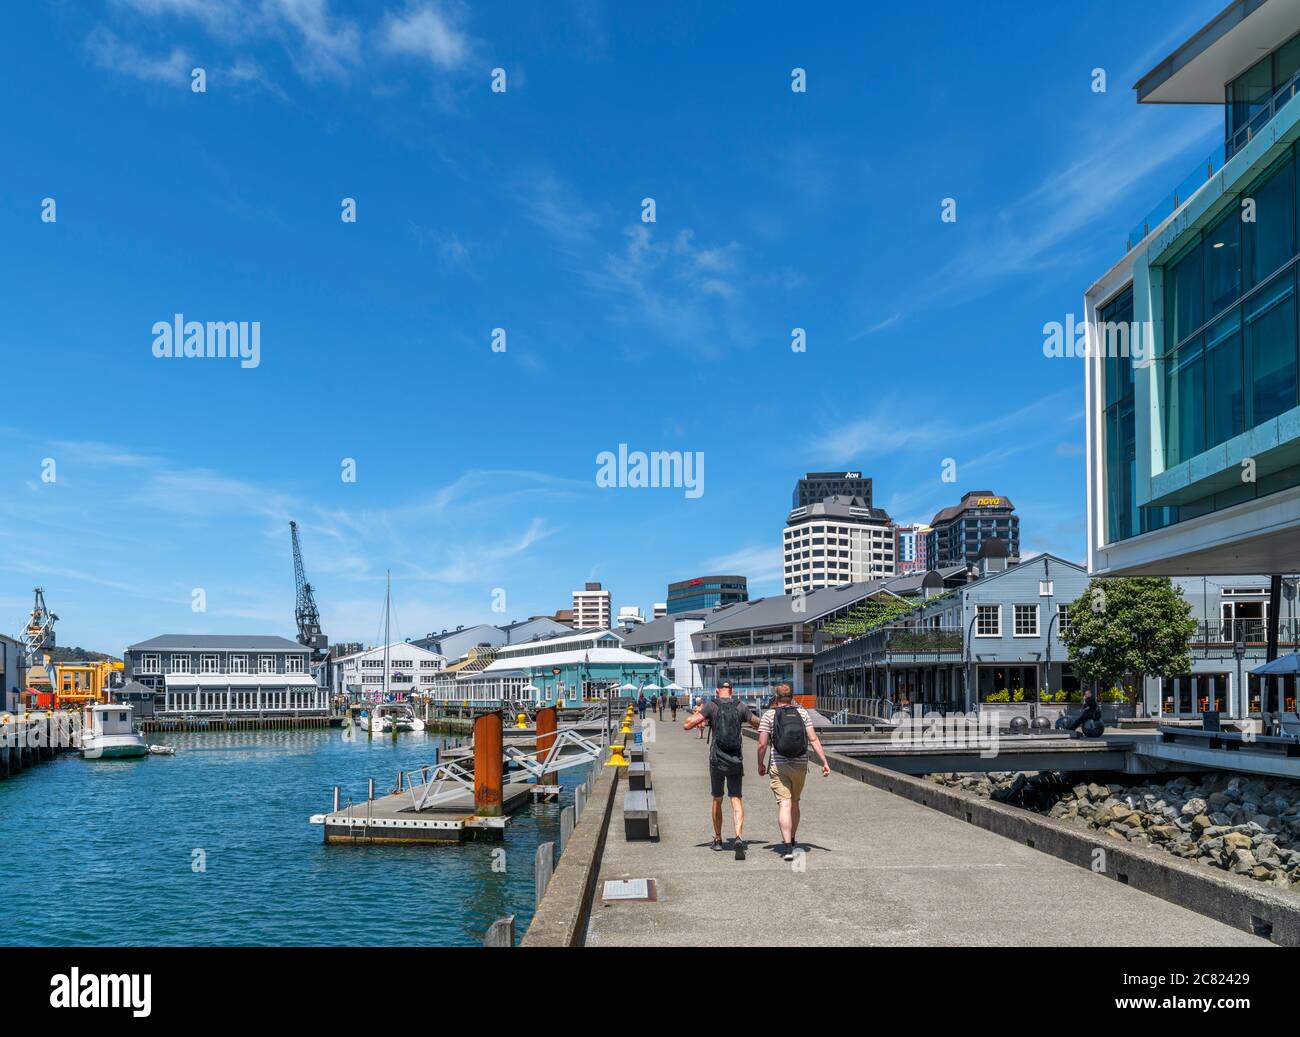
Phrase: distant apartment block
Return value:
(836, 541)
(592, 608)
(957, 533)
(910, 554)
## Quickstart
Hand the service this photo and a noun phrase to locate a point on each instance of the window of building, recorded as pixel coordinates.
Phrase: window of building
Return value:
(1044, 588)
(1270, 336)
(239, 664)
(988, 621)
(1062, 617)
(208, 664)
(266, 664)
(1026, 621)
(180, 664)
(150, 664)
(294, 664)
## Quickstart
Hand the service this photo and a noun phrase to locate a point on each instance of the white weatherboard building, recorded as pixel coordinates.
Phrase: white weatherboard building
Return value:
(410, 669)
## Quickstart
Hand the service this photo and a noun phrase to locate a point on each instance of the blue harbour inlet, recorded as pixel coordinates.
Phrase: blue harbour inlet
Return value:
(212, 846)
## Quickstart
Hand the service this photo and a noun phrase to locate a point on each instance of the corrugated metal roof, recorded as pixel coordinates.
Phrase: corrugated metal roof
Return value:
(217, 643)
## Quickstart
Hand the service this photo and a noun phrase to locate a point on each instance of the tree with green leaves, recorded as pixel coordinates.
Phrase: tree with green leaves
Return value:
(1126, 628)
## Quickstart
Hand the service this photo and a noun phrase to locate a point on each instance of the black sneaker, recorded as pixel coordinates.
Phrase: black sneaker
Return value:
(788, 854)
(716, 844)
(740, 849)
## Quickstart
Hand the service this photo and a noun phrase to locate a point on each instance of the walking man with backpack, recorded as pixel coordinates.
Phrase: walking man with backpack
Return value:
(788, 730)
(725, 716)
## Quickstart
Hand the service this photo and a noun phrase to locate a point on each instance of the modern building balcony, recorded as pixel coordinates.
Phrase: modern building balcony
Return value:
(894, 643)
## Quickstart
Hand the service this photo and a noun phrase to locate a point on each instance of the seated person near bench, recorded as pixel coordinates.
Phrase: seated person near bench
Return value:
(1089, 718)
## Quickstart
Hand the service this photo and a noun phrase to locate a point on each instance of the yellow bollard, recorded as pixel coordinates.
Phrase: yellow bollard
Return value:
(559, 703)
(616, 756)
(521, 720)
(626, 729)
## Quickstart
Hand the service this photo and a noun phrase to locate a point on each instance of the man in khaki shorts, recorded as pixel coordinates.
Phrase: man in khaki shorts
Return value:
(788, 729)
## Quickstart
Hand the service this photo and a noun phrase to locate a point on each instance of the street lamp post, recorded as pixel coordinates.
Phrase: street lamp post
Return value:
(1239, 652)
(966, 669)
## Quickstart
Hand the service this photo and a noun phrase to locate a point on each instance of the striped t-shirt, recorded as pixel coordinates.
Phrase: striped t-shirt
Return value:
(765, 724)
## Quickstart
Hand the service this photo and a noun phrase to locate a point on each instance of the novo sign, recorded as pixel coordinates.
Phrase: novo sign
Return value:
(987, 502)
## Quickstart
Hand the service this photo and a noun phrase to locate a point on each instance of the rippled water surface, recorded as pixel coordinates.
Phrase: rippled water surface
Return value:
(103, 852)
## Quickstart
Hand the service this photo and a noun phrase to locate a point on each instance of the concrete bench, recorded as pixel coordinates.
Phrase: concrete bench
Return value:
(638, 777)
(640, 816)
(636, 754)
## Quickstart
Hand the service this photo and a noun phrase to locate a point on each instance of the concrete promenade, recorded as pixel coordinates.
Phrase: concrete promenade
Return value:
(880, 870)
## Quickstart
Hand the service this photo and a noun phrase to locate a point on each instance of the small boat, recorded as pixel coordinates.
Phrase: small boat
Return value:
(108, 733)
(384, 718)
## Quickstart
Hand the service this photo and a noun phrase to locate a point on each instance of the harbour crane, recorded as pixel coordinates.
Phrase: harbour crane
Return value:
(305, 611)
(38, 639)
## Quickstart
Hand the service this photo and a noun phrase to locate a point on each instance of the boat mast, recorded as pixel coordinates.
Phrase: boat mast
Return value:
(388, 597)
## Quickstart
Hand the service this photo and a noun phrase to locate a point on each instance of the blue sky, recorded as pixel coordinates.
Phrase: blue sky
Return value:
(475, 469)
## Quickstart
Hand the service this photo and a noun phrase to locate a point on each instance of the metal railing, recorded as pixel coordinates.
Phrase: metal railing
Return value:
(1213, 163)
(758, 649)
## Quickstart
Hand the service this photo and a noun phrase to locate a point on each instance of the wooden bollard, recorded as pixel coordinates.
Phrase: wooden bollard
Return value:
(547, 721)
(487, 765)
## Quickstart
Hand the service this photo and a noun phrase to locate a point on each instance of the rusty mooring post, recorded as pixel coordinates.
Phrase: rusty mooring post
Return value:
(487, 765)
(546, 726)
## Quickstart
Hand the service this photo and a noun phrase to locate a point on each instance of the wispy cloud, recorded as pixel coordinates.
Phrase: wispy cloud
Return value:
(888, 322)
(432, 33)
(111, 53)
(760, 563)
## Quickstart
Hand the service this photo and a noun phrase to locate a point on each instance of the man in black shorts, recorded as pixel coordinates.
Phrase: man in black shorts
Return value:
(726, 717)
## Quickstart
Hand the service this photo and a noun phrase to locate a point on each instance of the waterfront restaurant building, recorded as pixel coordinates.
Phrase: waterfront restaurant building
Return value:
(1193, 437)
(769, 641)
(227, 675)
(668, 640)
(569, 668)
(1000, 634)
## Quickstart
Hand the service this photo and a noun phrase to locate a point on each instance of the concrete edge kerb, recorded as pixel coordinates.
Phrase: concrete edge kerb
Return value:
(1232, 899)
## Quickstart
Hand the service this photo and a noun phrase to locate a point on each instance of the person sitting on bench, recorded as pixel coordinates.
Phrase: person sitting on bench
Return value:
(1088, 718)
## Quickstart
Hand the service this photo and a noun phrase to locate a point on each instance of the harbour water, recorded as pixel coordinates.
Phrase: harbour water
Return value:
(212, 846)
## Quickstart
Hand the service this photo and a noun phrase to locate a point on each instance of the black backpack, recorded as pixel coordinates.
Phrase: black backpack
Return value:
(789, 733)
(726, 726)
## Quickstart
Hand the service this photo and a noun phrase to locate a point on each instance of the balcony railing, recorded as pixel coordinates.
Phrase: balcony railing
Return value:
(759, 650)
(1214, 162)
(1253, 633)
(1246, 133)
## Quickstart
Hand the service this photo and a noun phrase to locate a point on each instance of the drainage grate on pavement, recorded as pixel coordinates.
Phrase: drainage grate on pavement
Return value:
(630, 890)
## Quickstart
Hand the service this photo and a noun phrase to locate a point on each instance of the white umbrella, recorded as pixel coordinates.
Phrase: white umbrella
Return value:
(627, 687)
(674, 686)
(530, 687)
(652, 687)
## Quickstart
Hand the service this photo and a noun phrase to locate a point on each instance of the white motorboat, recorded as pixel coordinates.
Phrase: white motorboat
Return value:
(108, 733)
(384, 718)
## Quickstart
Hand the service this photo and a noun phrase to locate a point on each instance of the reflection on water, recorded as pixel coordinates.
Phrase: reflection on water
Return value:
(212, 846)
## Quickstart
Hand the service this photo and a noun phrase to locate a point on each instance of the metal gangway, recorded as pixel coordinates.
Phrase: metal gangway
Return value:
(429, 786)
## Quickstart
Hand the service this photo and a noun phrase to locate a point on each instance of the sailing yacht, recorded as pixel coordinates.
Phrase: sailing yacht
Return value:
(386, 717)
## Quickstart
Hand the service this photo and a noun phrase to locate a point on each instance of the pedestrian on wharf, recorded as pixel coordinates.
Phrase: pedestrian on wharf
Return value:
(661, 706)
(672, 705)
(725, 716)
(788, 730)
(640, 704)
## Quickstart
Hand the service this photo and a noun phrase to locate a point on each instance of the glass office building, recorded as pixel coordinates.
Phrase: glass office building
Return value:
(706, 592)
(1193, 399)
